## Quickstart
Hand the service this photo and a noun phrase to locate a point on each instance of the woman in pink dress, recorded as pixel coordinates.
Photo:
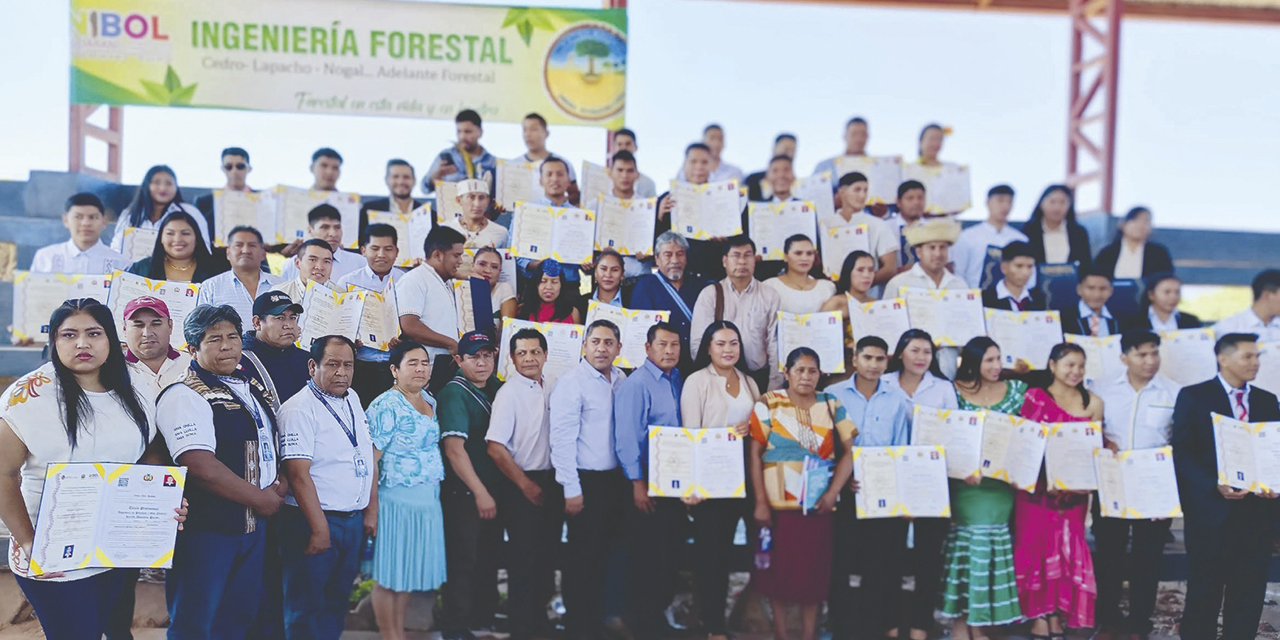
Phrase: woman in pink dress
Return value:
(1050, 556)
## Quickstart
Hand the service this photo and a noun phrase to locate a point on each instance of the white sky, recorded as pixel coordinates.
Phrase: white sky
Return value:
(1198, 103)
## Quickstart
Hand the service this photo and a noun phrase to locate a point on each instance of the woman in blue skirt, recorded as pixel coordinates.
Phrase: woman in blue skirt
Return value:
(408, 550)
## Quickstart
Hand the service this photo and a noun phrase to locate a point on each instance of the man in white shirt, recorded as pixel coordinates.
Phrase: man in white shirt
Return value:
(882, 238)
(147, 331)
(380, 250)
(625, 176)
(246, 280)
(856, 134)
(1263, 316)
(554, 177)
(713, 137)
(752, 307)
(312, 263)
(324, 222)
(932, 240)
(970, 252)
(327, 454)
(475, 225)
(84, 252)
(625, 140)
(532, 504)
(428, 311)
(1138, 414)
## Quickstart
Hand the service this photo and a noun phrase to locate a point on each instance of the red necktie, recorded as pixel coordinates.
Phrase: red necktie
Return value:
(1093, 325)
(1021, 303)
(1242, 412)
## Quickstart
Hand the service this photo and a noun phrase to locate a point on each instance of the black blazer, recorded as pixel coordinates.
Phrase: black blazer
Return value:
(1074, 324)
(991, 300)
(1077, 237)
(1155, 259)
(1195, 457)
(1140, 320)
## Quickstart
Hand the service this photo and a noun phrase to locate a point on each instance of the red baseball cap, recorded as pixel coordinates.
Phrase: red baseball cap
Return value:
(146, 302)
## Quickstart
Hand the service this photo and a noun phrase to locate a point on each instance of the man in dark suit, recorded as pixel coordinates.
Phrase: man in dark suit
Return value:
(1017, 264)
(1090, 316)
(400, 179)
(1228, 530)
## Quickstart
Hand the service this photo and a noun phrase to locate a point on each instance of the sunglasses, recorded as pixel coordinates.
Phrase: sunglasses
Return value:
(239, 166)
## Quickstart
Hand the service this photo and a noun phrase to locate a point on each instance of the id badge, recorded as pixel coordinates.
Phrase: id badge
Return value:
(268, 452)
(362, 470)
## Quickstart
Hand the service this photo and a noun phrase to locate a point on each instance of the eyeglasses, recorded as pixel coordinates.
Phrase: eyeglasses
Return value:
(239, 166)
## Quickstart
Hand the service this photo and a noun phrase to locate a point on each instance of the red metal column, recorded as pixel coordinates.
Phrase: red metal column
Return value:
(1094, 73)
(81, 131)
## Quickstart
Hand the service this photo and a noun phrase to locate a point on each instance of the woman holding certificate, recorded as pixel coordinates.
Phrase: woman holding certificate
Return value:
(82, 406)
(857, 276)
(547, 297)
(488, 265)
(979, 589)
(719, 394)
(793, 428)
(158, 195)
(1054, 570)
(800, 292)
(179, 255)
(405, 517)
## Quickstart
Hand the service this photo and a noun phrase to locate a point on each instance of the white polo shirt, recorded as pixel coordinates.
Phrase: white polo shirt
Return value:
(422, 293)
(882, 237)
(173, 369)
(521, 422)
(1137, 418)
(341, 471)
(1248, 322)
(365, 278)
(186, 421)
(344, 262)
(226, 288)
(491, 235)
(916, 277)
(970, 252)
(66, 257)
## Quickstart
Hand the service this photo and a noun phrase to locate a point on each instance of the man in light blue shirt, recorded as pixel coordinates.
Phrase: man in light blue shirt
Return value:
(466, 159)
(379, 244)
(656, 527)
(554, 177)
(246, 280)
(878, 409)
(855, 144)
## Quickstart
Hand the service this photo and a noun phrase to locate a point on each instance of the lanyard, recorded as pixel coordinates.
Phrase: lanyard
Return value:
(350, 431)
(675, 295)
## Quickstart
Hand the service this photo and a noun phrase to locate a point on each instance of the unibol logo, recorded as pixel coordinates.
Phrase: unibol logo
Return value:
(109, 24)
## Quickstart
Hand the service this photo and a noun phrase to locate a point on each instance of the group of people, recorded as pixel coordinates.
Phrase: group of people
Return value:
(297, 453)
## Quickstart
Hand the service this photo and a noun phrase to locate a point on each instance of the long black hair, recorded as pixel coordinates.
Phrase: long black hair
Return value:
(114, 373)
(530, 301)
(703, 359)
(971, 354)
(895, 362)
(142, 205)
(201, 256)
(1150, 283)
(1037, 215)
(1129, 217)
(846, 269)
(1059, 352)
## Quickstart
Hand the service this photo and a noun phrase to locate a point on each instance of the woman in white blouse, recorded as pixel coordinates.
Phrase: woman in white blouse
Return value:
(718, 395)
(157, 196)
(800, 292)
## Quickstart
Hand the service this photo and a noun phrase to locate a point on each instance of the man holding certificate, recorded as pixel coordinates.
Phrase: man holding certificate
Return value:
(658, 527)
(400, 179)
(932, 240)
(697, 171)
(671, 289)
(624, 174)
(313, 262)
(428, 314)
(554, 177)
(882, 239)
(1138, 414)
(380, 246)
(236, 167)
(1228, 530)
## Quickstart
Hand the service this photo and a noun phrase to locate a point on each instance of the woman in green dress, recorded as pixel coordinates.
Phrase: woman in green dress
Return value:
(980, 589)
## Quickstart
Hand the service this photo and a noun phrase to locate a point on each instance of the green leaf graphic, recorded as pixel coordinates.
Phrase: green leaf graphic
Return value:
(172, 92)
(528, 20)
(171, 82)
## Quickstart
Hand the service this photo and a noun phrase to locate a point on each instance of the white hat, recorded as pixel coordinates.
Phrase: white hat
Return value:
(932, 230)
(472, 186)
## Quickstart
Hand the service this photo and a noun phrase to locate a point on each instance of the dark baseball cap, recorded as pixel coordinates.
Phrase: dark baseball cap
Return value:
(473, 342)
(274, 303)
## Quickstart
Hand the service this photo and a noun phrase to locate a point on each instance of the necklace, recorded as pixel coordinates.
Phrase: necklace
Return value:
(169, 263)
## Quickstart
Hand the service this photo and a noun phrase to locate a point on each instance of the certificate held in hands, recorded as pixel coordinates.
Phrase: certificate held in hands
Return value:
(838, 242)
(564, 346)
(952, 316)
(626, 226)
(883, 173)
(958, 432)
(233, 209)
(180, 297)
(946, 186)
(1138, 484)
(379, 318)
(886, 319)
(1068, 455)
(1186, 356)
(565, 234)
(100, 514)
(1013, 449)
(517, 182)
(406, 233)
(1101, 357)
(771, 223)
(901, 482)
(633, 324)
(708, 210)
(821, 331)
(1024, 336)
(36, 296)
(138, 243)
(328, 312)
(1248, 454)
(818, 189)
(704, 462)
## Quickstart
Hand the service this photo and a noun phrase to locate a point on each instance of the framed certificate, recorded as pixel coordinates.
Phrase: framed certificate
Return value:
(518, 181)
(819, 189)
(102, 514)
(293, 204)
(566, 234)
(1138, 484)
(821, 331)
(626, 226)
(37, 295)
(406, 230)
(1013, 449)
(896, 482)
(771, 223)
(838, 242)
(180, 297)
(633, 324)
(232, 209)
(958, 432)
(1024, 336)
(1101, 357)
(886, 319)
(709, 210)
(564, 346)
(1248, 453)
(946, 187)
(1186, 356)
(952, 316)
(884, 174)
(1068, 455)
(705, 462)
(328, 312)
(138, 243)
